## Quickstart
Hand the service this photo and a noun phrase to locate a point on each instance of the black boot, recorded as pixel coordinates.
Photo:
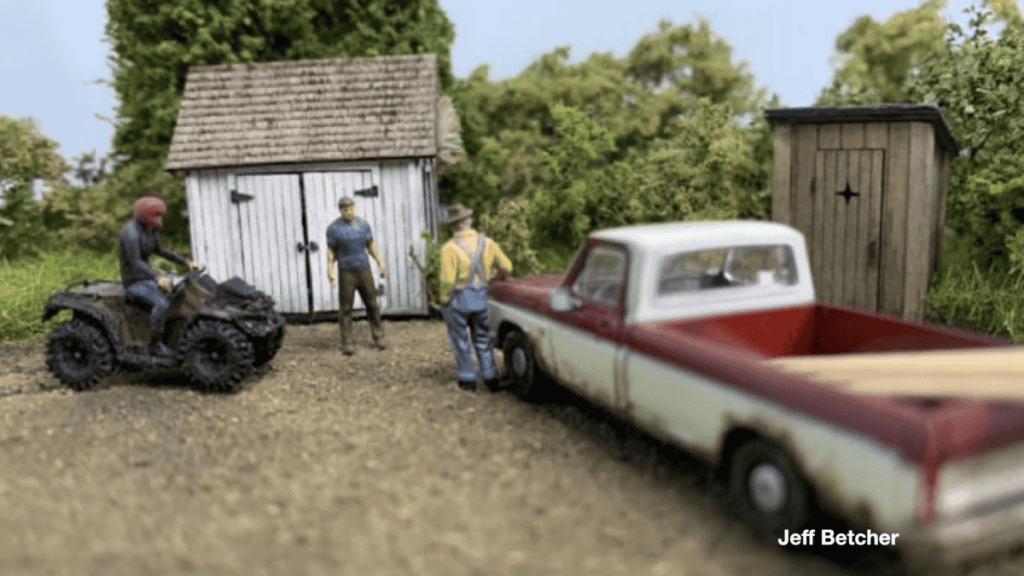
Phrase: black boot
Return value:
(467, 385)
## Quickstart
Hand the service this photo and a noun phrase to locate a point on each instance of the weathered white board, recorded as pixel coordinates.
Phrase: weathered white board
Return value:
(991, 372)
(269, 226)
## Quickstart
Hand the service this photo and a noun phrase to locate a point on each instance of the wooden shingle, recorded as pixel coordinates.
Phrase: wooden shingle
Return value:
(306, 111)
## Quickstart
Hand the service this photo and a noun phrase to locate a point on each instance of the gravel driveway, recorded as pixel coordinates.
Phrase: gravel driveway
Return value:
(363, 465)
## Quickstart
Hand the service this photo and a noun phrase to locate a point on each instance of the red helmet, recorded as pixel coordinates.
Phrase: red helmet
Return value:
(149, 210)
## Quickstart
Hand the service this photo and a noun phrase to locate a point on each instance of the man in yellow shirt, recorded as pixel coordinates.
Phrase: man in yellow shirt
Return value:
(466, 260)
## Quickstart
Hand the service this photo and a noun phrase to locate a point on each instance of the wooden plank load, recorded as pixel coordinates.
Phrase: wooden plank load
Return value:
(989, 372)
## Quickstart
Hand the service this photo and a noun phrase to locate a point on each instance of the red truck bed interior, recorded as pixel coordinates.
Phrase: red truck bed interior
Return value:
(816, 329)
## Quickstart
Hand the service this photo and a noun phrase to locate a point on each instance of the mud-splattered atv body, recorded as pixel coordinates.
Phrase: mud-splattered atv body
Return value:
(218, 331)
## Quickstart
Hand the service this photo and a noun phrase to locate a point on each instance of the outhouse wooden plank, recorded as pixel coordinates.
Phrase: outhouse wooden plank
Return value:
(853, 225)
(828, 251)
(874, 230)
(829, 137)
(852, 135)
(863, 235)
(839, 263)
(876, 135)
(940, 213)
(782, 193)
(894, 219)
(919, 218)
(802, 197)
(816, 242)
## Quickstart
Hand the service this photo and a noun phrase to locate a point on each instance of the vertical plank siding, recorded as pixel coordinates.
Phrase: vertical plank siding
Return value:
(781, 177)
(852, 225)
(874, 228)
(894, 220)
(920, 195)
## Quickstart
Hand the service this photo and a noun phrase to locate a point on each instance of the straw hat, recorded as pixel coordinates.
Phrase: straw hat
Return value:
(457, 212)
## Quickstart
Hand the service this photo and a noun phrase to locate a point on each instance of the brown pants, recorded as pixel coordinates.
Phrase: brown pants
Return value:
(348, 282)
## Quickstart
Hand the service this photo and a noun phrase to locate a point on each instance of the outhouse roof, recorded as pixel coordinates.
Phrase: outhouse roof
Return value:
(298, 111)
(876, 113)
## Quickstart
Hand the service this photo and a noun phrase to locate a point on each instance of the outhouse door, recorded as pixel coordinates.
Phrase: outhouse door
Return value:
(279, 224)
(841, 216)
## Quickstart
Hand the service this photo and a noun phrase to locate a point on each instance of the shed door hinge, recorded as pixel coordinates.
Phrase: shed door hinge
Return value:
(237, 197)
(370, 192)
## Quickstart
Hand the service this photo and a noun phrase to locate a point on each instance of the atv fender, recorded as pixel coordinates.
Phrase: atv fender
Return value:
(87, 313)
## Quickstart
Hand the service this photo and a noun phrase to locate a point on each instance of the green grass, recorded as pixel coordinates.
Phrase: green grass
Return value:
(26, 285)
(987, 302)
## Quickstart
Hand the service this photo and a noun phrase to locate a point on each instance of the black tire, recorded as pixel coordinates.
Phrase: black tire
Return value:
(266, 348)
(79, 354)
(767, 491)
(520, 365)
(216, 355)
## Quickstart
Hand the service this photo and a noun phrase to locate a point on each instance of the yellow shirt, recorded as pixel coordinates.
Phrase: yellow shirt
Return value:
(457, 264)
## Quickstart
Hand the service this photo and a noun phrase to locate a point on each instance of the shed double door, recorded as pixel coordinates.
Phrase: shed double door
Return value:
(840, 213)
(279, 224)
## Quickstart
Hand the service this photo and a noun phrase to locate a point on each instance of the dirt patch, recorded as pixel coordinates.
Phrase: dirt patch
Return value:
(371, 464)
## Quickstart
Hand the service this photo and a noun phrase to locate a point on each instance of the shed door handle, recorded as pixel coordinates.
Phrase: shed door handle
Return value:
(300, 247)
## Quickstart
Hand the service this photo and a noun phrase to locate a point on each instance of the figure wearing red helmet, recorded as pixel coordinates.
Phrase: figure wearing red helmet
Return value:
(137, 241)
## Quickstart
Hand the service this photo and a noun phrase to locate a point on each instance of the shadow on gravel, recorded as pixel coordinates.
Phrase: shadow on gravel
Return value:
(630, 444)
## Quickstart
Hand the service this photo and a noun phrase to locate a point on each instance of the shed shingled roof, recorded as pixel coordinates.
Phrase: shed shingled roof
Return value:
(299, 111)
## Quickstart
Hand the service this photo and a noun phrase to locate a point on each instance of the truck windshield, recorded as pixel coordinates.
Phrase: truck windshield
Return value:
(752, 265)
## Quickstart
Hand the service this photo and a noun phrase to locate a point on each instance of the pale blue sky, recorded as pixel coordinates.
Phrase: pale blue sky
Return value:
(50, 50)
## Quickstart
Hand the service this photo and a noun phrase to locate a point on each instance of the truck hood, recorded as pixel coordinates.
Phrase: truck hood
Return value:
(526, 291)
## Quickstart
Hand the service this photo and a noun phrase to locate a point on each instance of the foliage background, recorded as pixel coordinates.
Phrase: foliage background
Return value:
(672, 130)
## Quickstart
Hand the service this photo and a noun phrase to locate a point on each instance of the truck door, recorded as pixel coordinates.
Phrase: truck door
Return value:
(584, 342)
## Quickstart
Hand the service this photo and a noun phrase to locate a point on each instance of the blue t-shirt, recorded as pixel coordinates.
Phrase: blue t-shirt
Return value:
(348, 240)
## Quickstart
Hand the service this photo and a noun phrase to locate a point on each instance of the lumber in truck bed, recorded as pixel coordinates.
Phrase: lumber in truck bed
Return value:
(990, 372)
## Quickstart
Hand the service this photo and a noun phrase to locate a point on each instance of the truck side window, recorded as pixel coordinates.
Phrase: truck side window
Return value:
(603, 275)
(754, 265)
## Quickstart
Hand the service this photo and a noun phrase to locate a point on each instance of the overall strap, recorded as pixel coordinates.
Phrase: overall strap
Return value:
(477, 259)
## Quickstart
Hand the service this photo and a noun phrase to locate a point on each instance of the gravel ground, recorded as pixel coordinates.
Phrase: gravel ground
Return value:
(363, 465)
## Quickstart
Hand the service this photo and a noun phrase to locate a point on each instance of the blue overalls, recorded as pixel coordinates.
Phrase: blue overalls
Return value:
(468, 309)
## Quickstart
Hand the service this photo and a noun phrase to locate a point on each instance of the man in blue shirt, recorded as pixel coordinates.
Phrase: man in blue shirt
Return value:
(348, 240)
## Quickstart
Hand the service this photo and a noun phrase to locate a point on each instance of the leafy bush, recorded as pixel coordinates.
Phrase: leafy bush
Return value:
(28, 284)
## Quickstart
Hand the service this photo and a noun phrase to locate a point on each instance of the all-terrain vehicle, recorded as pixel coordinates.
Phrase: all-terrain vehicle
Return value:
(219, 332)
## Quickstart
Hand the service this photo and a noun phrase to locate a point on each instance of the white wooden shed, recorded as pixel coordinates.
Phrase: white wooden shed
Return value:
(268, 150)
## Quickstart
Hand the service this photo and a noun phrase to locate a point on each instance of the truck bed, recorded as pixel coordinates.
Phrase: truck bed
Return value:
(738, 350)
(870, 352)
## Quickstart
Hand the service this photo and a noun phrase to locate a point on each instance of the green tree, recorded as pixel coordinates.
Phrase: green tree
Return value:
(693, 62)
(702, 172)
(873, 59)
(26, 155)
(979, 80)
(154, 43)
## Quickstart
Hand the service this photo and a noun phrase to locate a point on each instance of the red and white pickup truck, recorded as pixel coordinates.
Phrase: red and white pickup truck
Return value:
(685, 329)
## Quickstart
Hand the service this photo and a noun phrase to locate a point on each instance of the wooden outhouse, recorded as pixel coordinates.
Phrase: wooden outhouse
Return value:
(867, 187)
(270, 148)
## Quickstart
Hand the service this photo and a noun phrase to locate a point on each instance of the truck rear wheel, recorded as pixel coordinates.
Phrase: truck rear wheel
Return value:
(767, 491)
(216, 355)
(520, 365)
(78, 354)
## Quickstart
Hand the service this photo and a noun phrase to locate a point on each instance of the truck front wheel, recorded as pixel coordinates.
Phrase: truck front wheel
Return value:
(767, 491)
(520, 365)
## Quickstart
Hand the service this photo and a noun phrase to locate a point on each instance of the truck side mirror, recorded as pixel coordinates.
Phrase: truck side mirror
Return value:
(561, 300)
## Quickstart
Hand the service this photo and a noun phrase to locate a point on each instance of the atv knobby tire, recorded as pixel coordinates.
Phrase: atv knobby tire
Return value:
(78, 354)
(266, 348)
(216, 355)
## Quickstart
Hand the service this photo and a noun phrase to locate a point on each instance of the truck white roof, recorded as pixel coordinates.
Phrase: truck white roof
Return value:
(699, 234)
